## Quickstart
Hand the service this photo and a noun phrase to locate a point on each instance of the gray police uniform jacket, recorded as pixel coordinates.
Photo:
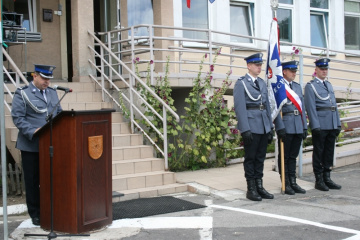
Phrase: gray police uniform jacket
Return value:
(27, 119)
(321, 98)
(256, 120)
(294, 124)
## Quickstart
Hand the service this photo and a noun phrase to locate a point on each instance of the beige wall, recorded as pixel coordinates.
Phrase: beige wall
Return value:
(48, 51)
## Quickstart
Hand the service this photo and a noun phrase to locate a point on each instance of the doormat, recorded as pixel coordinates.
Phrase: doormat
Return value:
(144, 207)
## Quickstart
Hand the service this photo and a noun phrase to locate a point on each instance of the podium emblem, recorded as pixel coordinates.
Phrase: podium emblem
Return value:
(95, 144)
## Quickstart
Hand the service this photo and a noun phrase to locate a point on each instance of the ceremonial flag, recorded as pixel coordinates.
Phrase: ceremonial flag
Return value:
(274, 76)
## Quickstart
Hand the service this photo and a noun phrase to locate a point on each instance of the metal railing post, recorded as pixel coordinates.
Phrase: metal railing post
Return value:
(102, 72)
(210, 47)
(180, 56)
(131, 80)
(110, 58)
(151, 45)
(165, 139)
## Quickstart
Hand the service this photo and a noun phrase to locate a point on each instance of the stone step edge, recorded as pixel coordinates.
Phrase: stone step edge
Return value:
(144, 174)
(149, 192)
(136, 160)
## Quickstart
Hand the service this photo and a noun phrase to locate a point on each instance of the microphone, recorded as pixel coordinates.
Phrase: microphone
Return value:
(65, 89)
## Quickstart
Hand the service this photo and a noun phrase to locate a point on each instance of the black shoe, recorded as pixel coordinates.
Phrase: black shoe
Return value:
(329, 182)
(36, 221)
(288, 189)
(251, 193)
(319, 182)
(295, 186)
(261, 190)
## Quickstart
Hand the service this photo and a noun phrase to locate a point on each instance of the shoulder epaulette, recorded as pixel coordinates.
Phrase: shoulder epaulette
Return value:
(296, 83)
(23, 87)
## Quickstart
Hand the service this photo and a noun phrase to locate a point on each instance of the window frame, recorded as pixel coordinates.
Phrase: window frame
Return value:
(197, 44)
(351, 14)
(325, 16)
(290, 7)
(251, 21)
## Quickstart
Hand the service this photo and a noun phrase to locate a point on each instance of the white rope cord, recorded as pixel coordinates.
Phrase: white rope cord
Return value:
(27, 100)
(317, 95)
(250, 96)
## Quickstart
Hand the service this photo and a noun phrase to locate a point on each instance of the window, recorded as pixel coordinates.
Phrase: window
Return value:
(242, 22)
(140, 12)
(285, 16)
(319, 12)
(352, 25)
(25, 7)
(286, 1)
(319, 4)
(195, 17)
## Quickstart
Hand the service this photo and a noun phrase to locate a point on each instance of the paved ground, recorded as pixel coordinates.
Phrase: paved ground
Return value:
(229, 215)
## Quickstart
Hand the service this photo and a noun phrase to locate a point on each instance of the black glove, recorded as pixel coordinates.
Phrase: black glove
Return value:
(270, 136)
(316, 132)
(305, 133)
(281, 134)
(247, 137)
(338, 130)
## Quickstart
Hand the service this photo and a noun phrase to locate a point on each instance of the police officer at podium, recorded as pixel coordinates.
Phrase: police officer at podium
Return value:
(30, 107)
(253, 113)
(324, 122)
(294, 121)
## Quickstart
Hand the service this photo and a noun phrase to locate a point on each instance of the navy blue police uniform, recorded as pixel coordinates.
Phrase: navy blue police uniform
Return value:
(324, 122)
(253, 113)
(295, 125)
(30, 108)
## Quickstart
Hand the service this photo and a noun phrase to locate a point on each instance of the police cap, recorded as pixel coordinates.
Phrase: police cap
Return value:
(255, 58)
(46, 71)
(291, 65)
(322, 63)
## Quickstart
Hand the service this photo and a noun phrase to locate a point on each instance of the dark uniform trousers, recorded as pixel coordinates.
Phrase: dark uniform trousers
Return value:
(30, 164)
(291, 151)
(323, 151)
(255, 156)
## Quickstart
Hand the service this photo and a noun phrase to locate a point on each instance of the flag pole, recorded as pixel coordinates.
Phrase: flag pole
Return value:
(274, 6)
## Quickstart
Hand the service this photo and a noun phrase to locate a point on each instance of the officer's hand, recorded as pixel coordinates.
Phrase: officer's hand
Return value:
(247, 137)
(281, 134)
(270, 136)
(305, 133)
(316, 132)
(338, 130)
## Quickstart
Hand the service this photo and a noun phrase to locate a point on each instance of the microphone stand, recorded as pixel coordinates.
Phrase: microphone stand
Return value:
(52, 234)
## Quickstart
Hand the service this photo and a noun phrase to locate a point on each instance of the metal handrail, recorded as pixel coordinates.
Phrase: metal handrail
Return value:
(18, 75)
(134, 79)
(133, 46)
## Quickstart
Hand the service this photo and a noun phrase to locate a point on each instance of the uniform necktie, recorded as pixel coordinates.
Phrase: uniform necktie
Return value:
(290, 85)
(42, 93)
(256, 83)
(325, 85)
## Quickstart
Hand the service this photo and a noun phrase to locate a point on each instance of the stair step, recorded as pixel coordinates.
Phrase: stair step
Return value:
(117, 117)
(142, 180)
(120, 128)
(122, 140)
(124, 167)
(150, 192)
(80, 97)
(86, 105)
(132, 152)
(8, 121)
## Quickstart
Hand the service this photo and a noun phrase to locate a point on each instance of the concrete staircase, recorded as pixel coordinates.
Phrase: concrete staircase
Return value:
(135, 171)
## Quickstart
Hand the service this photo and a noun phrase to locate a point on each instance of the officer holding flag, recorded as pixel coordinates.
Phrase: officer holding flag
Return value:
(294, 121)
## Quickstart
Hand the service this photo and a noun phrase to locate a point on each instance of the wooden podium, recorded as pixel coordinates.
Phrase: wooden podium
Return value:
(82, 175)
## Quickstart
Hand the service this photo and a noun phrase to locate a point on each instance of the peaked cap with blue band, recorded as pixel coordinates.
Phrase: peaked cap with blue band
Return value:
(291, 65)
(255, 58)
(322, 63)
(46, 71)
